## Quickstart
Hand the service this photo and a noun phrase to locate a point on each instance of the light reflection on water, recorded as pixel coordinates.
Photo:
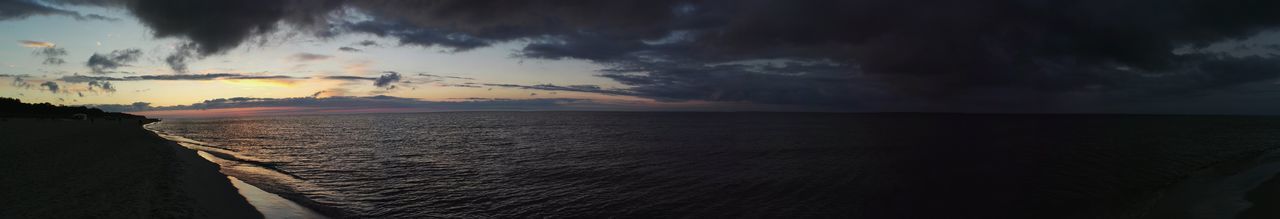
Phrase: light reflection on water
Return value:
(271, 206)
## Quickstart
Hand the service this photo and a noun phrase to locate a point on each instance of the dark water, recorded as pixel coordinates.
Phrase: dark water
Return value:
(592, 164)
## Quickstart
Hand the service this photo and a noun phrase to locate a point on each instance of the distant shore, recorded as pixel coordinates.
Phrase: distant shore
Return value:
(59, 168)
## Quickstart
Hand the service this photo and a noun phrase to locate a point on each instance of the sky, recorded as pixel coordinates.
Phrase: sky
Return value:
(276, 57)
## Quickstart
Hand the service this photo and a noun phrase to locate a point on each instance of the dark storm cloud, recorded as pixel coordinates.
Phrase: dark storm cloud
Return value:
(413, 35)
(940, 55)
(171, 77)
(780, 83)
(349, 49)
(19, 9)
(945, 51)
(214, 26)
(102, 64)
(979, 52)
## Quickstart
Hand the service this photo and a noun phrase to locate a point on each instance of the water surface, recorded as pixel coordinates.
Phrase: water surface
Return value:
(594, 164)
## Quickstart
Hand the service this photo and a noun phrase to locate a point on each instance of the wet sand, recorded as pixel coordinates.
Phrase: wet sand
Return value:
(271, 205)
(1264, 199)
(107, 169)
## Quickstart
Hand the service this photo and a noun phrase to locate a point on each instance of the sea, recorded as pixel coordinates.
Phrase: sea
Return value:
(744, 164)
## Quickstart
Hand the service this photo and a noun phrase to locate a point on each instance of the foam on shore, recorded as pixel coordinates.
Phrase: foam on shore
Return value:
(272, 206)
(1222, 191)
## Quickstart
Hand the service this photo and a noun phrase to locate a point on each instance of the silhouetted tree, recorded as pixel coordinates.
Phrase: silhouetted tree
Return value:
(10, 107)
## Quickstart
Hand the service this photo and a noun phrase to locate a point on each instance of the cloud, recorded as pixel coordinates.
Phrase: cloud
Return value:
(20, 9)
(349, 104)
(19, 82)
(197, 77)
(102, 64)
(304, 57)
(247, 77)
(1027, 55)
(171, 77)
(77, 78)
(575, 88)
(444, 76)
(880, 53)
(386, 79)
(212, 26)
(800, 83)
(368, 43)
(330, 92)
(349, 78)
(107, 86)
(35, 44)
(466, 85)
(178, 60)
(104, 85)
(428, 37)
(51, 86)
(349, 49)
(52, 55)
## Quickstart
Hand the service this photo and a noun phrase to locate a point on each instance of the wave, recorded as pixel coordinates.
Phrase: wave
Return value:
(1219, 190)
(729, 165)
(264, 175)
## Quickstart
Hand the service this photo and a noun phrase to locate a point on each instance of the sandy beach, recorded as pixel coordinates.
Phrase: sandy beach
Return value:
(107, 169)
(1264, 199)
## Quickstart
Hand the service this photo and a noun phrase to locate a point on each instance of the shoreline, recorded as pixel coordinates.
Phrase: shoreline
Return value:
(1230, 189)
(1264, 195)
(59, 168)
(271, 204)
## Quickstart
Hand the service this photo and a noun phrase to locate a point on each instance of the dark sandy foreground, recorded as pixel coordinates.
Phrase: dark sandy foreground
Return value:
(107, 169)
(1265, 199)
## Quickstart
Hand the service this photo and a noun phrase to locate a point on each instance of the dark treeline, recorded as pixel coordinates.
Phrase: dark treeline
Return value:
(10, 107)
